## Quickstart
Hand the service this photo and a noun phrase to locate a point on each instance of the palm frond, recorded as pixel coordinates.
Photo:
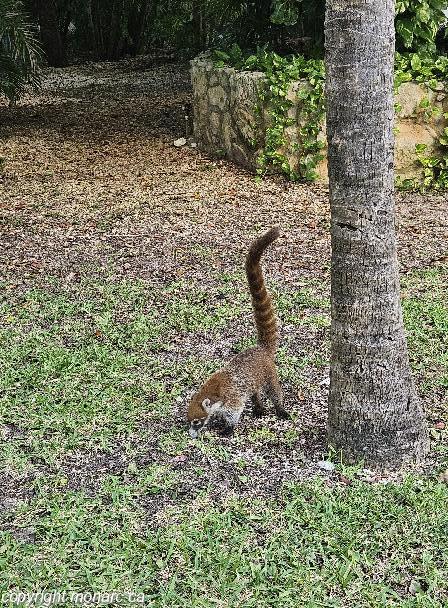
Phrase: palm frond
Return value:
(20, 52)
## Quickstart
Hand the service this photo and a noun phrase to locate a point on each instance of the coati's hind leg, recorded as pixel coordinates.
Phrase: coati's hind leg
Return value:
(258, 409)
(275, 394)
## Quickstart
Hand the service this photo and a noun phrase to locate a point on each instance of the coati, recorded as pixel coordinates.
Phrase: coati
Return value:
(249, 374)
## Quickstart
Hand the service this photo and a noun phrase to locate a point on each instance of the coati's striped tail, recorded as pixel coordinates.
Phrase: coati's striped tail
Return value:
(261, 300)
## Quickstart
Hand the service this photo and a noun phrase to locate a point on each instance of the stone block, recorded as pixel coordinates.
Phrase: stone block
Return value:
(218, 97)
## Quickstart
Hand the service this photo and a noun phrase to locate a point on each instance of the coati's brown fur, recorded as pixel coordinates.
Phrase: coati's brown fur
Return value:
(250, 373)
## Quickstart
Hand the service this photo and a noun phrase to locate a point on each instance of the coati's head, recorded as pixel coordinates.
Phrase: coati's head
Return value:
(199, 413)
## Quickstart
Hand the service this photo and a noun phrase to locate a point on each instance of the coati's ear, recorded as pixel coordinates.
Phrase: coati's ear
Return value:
(211, 407)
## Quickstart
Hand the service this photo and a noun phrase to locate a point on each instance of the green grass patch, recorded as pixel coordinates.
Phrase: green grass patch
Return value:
(81, 367)
(425, 307)
(302, 307)
(353, 546)
(92, 365)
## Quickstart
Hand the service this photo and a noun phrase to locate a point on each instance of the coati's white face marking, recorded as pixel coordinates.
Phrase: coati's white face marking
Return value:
(196, 427)
(198, 424)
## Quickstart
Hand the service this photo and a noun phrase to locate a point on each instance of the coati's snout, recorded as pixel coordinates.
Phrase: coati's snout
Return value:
(199, 414)
(196, 426)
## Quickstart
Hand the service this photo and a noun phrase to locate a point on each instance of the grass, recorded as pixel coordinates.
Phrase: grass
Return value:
(357, 545)
(81, 367)
(426, 317)
(92, 367)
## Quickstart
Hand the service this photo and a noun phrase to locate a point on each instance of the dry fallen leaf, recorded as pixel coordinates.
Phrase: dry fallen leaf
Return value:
(344, 479)
(179, 460)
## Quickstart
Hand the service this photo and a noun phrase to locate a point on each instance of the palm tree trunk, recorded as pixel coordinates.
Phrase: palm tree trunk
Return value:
(114, 33)
(198, 25)
(50, 34)
(374, 413)
(138, 21)
(92, 37)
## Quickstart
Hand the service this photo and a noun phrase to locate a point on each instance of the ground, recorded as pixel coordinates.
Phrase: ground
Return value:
(121, 265)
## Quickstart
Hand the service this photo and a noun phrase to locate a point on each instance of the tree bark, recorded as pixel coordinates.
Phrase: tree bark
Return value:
(138, 22)
(52, 42)
(67, 18)
(91, 27)
(114, 31)
(96, 14)
(374, 412)
(198, 25)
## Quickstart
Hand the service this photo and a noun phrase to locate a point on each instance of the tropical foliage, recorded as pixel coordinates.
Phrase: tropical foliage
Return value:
(109, 29)
(20, 53)
(418, 22)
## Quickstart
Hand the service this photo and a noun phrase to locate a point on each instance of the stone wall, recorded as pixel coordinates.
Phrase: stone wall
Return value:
(226, 123)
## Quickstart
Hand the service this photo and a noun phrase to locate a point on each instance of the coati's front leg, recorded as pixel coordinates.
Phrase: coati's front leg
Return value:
(230, 415)
(275, 394)
(226, 430)
(258, 410)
